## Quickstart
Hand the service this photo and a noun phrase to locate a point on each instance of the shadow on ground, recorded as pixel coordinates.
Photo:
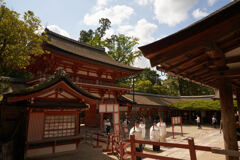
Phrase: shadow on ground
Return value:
(84, 152)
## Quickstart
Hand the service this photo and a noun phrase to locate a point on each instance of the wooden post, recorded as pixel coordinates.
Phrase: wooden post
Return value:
(112, 144)
(98, 140)
(133, 147)
(54, 146)
(228, 119)
(108, 144)
(238, 102)
(181, 126)
(192, 150)
(172, 127)
(121, 150)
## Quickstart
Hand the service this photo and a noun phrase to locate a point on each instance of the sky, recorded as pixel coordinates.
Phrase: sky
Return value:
(149, 20)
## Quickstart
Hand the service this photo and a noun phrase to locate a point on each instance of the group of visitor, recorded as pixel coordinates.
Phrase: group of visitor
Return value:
(214, 121)
(157, 133)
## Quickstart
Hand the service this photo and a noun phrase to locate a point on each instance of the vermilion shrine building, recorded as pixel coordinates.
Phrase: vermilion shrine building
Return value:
(69, 78)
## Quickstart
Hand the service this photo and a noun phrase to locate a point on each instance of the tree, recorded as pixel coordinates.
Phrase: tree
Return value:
(120, 47)
(95, 38)
(150, 75)
(19, 40)
(187, 88)
(171, 85)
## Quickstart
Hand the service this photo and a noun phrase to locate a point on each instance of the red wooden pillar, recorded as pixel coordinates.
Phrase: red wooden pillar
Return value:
(192, 150)
(227, 111)
(133, 147)
(101, 114)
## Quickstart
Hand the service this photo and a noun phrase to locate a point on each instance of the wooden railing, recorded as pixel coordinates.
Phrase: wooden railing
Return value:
(125, 150)
(190, 146)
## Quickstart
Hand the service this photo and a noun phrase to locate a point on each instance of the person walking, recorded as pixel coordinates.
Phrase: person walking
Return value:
(137, 132)
(142, 125)
(198, 122)
(108, 126)
(125, 127)
(214, 121)
(155, 135)
(162, 130)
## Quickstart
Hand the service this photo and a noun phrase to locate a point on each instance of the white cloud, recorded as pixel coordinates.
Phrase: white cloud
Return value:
(143, 2)
(211, 2)
(116, 15)
(142, 62)
(125, 28)
(101, 4)
(108, 34)
(172, 12)
(58, 30)
(144, 31)
(197, 13)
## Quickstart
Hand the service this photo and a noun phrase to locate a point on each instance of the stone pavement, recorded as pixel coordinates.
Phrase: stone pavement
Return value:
(207, 136)
(84, 152)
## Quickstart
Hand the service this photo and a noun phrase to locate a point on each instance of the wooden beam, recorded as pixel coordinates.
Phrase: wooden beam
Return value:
(228, 119)
(189, 60)
(192, 67)
(181, 50)
(200, 39)
(234, 59)
(230, 72)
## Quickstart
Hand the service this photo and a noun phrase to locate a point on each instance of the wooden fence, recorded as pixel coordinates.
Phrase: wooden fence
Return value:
(190, 146)
(120, 148)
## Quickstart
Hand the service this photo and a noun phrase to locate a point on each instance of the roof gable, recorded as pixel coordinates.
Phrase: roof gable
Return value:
(58, 87)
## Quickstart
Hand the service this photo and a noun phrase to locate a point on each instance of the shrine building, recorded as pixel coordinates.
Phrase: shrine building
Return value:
(43, 114)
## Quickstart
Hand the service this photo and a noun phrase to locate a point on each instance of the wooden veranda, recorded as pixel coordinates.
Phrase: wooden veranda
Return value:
(207, 52)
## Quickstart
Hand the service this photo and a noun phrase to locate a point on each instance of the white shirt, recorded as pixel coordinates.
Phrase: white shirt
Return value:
(107, 123)
(137, 132)
(154, 134)
(143, 127)
(162, 128)
(198, 119)
(214, 120)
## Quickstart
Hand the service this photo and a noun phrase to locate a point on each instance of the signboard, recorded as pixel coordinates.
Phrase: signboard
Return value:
(175, 121)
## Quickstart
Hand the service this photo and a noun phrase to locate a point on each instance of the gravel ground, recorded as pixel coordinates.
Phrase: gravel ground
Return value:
(207, 136)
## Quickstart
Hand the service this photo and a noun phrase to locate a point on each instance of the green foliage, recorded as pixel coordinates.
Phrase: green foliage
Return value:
(19, 40)
(171, 86)
(199, 105)
(119, 47)
(150, 75)
(95, 38)
(187, 88)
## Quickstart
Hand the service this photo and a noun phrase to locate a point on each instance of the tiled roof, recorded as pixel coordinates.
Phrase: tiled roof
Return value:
(80, 50)
(57, 77)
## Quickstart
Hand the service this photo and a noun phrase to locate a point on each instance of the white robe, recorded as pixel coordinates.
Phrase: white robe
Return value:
(155, 134)
(143, 127)
(137, 132)
(162, 130)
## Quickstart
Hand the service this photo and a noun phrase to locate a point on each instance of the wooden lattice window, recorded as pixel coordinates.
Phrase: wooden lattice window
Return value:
(59, 125)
